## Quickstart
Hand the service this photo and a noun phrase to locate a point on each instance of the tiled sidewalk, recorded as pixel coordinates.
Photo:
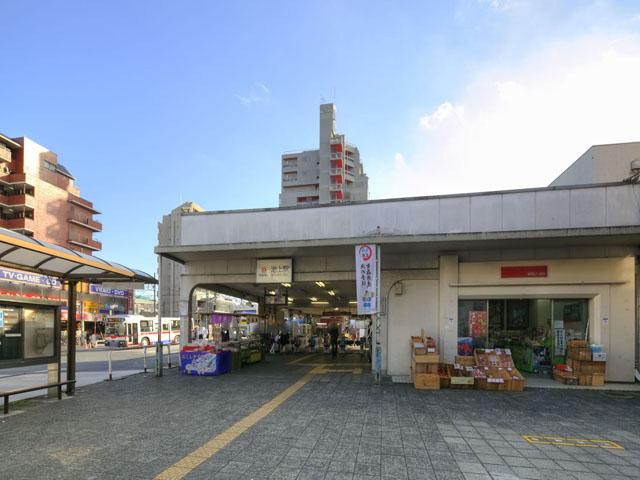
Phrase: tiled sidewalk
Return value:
(338, 425)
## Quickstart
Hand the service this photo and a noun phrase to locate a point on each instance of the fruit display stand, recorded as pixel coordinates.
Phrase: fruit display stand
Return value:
(424, 364)
(487, 369)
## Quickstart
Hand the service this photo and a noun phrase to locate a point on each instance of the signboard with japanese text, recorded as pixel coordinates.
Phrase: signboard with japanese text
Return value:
(274, 270)
(366, 279)
(527, 271)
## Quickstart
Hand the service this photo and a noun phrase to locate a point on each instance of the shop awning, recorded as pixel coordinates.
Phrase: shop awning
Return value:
(27, 253)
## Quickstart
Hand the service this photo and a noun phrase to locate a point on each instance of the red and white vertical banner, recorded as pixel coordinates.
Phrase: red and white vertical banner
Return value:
(367, 279)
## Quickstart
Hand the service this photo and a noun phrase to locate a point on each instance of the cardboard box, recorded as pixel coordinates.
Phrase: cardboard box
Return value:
(587, 367)
(597, 379)
(426, 381)
(579, 353)
(584, 379)
(577, 344)
(424, 367)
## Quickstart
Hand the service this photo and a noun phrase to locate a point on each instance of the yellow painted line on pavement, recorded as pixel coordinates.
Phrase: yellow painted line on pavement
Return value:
(298, 360)
(571, 442)
(184, 466)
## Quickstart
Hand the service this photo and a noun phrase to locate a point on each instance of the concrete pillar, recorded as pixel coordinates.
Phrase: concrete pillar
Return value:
(186, 287)
(448, 307)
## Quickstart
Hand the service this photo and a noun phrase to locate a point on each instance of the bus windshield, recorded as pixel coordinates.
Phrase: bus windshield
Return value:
(115, 327)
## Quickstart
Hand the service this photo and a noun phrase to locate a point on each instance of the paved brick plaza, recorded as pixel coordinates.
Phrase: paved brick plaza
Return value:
(338, 425)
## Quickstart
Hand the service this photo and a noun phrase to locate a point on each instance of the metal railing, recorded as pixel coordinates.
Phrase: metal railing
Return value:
(145, 347)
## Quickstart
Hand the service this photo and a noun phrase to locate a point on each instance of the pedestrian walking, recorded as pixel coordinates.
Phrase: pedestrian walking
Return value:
(334, 332)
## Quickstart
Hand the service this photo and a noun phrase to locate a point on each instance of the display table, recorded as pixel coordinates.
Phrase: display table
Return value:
(204, 360)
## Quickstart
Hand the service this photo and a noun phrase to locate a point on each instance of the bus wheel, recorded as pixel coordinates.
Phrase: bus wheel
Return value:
(176, 339)
(145, 342)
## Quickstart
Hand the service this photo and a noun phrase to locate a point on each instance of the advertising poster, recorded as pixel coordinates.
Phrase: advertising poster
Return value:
(477, 324)
(366, 279)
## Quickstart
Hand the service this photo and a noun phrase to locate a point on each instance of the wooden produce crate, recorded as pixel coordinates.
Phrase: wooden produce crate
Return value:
(568, 378)
(461, 374)
(465, 361)
(515, 380)
(597, 379)
(424, 367)
(426, 358)
(494, 357)
(579, 353)
(418, 346)
(444, 372)
(584, 379)
(587, 366)
(426, 381)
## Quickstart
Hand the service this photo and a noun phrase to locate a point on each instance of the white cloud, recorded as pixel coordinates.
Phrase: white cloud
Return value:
(441, 114)
(399, 161)
(258, 93)
(522, 125)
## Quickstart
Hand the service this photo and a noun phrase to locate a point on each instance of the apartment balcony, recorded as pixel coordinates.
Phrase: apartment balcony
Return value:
(336, 147)
(86, 223)
(85, 242)
(335, 187)
(336, 156)
(81, 202)
(5, 154)
(337, 164)
(349, 161)
(348, 174)
(336, 171)
(287, 167)
(289, 179)
(22, 225)
(17, 200)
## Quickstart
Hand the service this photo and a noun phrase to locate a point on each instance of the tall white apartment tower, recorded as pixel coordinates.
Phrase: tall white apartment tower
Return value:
(331, 174)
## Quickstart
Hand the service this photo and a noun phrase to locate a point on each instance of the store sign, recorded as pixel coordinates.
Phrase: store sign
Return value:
(30, 278)
(531, 271)
(109, 292)
(274, 270)
(366, 279)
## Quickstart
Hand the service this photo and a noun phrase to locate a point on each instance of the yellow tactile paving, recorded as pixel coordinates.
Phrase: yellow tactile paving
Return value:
(182, 468)
(571, 442)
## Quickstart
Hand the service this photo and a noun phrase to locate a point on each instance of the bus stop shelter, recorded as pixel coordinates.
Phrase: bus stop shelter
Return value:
(70, 267)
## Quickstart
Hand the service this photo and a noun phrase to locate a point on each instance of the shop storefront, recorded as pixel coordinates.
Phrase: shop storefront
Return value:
(534, 271)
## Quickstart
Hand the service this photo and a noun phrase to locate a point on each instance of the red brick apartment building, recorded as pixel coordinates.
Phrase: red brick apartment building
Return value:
(38, 197)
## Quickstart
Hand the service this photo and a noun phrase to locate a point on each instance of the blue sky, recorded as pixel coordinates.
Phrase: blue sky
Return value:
(153, 103)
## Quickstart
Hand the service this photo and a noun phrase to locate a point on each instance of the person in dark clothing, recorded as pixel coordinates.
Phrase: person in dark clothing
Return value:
(334, 332)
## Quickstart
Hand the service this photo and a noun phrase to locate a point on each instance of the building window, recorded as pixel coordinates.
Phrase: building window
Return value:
(49, 166)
